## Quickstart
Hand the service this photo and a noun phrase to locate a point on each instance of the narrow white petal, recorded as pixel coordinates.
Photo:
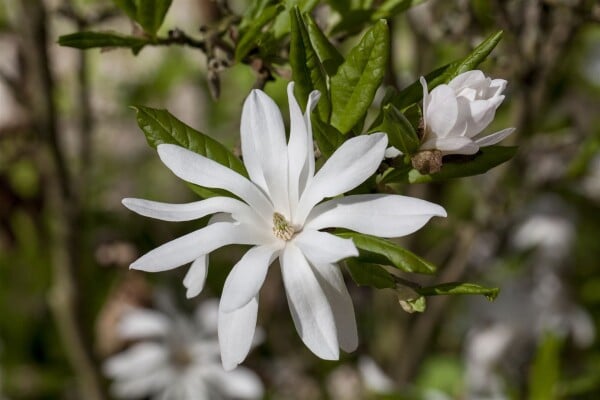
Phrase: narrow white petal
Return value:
(442, 110)
(241, 383)
(425, 96)
(451, 145)
(136, 361)
(494, 137)
(246, 277)
(194, 168)
(392, 152)
(313, 99)
(189, 211)
(196, 276)
(195, 244)
(351, 164)
(236, 333)
(324, 248)
(382, 215)
(142, 323)
(331, 280)
(297, 148)
(309, 307)
(263, 126)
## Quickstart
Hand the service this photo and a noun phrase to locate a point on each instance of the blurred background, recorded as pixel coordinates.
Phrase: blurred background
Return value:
(70, 150)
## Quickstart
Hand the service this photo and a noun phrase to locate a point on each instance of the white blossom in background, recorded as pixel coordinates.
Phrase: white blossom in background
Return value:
(175, 358)
(281, 212)
(455, 114)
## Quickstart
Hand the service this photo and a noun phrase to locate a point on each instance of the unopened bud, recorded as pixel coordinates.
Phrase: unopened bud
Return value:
(427, 161)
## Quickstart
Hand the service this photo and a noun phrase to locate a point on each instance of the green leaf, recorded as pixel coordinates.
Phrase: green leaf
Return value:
(354, 85)
(461, 166)
(307, 71)
(281, 26)
(253, 11)
(454, 288)
(150, 14)
(160, 127)
(545, 369)
(381, 251)
(414, 92)
(89, 40)
(251, 37)
(328, 138)
(128, 6)
(366, 274)
(330, 57)
(401, 133)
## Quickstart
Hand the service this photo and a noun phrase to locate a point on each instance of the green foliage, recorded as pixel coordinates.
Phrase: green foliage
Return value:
(330, 57)
(354, 85)
(456, 166)
(381, 251)
(282, 26)
(368, 274)
(253, 36)
(88, 40)
(401, 133)
(307, 71)
(150, 14)
(160, 127)
(328, 138)
(545, 370)
(455, 288)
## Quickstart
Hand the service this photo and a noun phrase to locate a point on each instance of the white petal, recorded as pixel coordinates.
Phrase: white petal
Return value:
(297, 148)
(190, 211)
(136, 361)
(194, 168)
(240, 383)
(142, 323)
(331, 280)
(374, 214)
(497, 86)
(263, 139)
(246, 277)
(425, 94)
(494, 137)
(309, 307)
(196, 276)
(442, 110)
(313, 99)
(392, 152)
(466, 79)
(236, 333)
(195, 244)
(324, 248)
(451, 145)
(351, 164)
(143, 385)
(482, 113)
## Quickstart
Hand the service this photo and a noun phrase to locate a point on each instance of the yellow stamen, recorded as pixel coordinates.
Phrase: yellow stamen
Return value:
(282, 228)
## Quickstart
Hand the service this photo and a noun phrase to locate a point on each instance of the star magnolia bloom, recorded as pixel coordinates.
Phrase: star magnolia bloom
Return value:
(454, 114)
(176, 358)
(279, 213)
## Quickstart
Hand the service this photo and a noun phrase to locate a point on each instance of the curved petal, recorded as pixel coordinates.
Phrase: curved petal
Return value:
(297, 148)
(189, 211)
(494, 137)
(496, 88)
(351, 164)
(425, 93)
(136, 361)
(194, 168)
(241, 383)
(309, 307)
(236, 333)
(392, 152)
(142, 323)
(313, 99)
(451, 145)
(331, 280)
(324, 248)
(246, 277)
(263, 144)
(382, 215)
(442, 111)
(196, 276)
(466, 79)
(482, 113)
(195, 244)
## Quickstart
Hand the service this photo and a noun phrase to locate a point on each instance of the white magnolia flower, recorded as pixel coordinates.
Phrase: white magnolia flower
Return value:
(455, 114)
(176, 359)
(281, 214)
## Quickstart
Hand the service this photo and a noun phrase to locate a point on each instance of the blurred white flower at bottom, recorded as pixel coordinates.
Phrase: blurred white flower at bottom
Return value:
(176, 358)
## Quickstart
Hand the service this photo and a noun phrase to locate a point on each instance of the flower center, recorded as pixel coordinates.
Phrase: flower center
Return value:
(282, 228)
